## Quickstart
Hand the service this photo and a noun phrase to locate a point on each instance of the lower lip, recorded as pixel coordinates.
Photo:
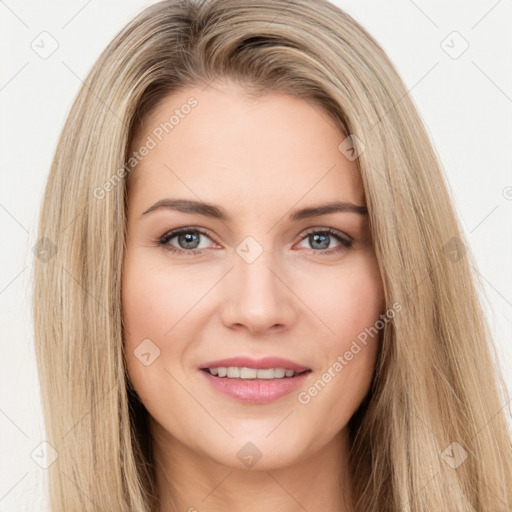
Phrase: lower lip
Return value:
(256, 391)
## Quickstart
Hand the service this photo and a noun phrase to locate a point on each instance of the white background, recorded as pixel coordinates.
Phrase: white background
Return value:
(465, 102)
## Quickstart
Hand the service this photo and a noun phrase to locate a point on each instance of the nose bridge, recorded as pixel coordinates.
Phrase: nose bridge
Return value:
(257, 280)
(258, 297)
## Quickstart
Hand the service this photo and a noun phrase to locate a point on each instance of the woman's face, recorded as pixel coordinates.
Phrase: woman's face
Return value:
(258, 275)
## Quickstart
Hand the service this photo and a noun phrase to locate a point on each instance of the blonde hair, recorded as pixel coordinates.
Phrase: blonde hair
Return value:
(436, 380)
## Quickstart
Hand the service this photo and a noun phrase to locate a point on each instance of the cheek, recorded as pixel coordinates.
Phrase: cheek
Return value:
(351, 307)
(154, 299)
(151, 306)
(353, 300)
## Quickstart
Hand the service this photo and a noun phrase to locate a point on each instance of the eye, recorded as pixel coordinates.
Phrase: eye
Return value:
(188, 240)
(320, 239)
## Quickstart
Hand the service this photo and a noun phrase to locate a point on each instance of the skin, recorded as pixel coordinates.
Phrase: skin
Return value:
(259, 159)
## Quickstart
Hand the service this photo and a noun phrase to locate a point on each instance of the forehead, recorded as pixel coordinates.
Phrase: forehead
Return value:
(222, 144)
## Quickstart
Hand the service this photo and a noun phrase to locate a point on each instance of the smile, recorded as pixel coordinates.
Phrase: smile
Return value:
(237, 372)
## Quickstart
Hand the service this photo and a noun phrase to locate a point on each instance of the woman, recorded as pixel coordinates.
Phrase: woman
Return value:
(264, 300)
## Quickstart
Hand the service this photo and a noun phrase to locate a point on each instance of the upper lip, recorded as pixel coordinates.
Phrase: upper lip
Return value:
(263, 363)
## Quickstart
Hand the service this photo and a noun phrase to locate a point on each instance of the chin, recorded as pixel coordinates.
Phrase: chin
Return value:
(257, 453)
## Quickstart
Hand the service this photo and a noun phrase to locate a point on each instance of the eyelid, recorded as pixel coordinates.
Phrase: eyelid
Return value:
(204, 231)
(325, 229)
(186, 229)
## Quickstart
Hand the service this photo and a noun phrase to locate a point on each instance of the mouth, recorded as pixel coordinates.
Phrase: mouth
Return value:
(245, 373)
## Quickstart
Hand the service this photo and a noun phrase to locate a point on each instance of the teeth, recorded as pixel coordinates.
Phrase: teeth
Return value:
(233, 372)
(248, 373)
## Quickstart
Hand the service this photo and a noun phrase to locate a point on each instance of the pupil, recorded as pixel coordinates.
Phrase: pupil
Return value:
(188, 239)
(324, 244)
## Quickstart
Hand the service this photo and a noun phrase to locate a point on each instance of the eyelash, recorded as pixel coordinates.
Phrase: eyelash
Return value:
(164, 240)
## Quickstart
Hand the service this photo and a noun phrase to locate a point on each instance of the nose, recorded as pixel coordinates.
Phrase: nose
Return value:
(258, 297)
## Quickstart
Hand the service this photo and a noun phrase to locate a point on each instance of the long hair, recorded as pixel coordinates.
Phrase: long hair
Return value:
(431, 434)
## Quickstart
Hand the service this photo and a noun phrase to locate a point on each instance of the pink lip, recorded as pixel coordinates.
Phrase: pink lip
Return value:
(256, 391)
(263, 363)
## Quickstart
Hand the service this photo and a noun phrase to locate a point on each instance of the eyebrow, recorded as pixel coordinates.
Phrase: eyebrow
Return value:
(217, 212)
